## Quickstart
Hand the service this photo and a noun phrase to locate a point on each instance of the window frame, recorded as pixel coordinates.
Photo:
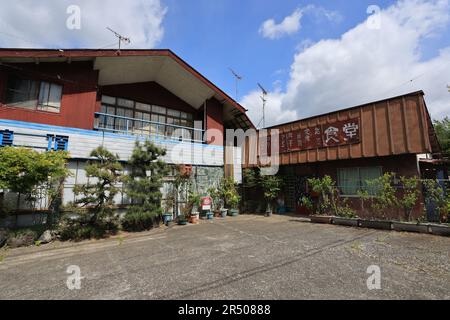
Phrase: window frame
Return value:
(360, 182)
(36, 106)
(155, 112)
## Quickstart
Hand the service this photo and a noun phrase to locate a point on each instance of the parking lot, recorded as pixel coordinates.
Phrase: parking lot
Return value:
(247, 257)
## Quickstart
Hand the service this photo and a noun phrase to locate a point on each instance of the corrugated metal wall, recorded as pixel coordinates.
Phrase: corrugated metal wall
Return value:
(389, 127)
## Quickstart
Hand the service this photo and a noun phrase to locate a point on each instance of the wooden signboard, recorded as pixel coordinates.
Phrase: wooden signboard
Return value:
(322, 136)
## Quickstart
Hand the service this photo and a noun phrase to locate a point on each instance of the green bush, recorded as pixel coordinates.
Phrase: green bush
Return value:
(23, 237)
(82, 229)
(140, 220)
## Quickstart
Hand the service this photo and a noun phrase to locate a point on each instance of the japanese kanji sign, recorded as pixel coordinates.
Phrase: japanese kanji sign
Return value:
(327, 135)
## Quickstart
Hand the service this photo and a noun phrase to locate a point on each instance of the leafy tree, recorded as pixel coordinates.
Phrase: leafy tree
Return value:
(230, 193)
(26, 171)
(98, 194)
(271, 186)
(410, 195)
(328, 194)
(143, 186)
(442, 129)
(383, 193)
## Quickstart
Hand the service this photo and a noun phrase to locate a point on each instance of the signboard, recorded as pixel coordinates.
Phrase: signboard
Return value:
(328, 135)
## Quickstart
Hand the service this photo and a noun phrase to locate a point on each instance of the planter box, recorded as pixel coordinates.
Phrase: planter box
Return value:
(410, 227)
(439, 229)
(321, 219)
(348, 222)
(376, 224)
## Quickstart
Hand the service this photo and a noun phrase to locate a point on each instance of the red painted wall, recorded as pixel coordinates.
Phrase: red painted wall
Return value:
(214, 120)
(81, 97)
(78, 102)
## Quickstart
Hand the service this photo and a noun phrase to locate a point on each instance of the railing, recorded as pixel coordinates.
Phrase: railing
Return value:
(132, 126)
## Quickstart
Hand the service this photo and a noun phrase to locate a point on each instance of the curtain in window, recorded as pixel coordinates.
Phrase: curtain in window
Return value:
(348, 181)
(369, 173)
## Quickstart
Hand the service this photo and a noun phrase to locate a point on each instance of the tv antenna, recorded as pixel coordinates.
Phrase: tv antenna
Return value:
(237, 79)
(120, 37)
(264, 100)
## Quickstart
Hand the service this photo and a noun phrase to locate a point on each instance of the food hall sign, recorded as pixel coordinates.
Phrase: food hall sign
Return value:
(322, 136)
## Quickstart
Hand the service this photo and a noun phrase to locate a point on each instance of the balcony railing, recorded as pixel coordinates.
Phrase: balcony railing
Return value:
(132, 126)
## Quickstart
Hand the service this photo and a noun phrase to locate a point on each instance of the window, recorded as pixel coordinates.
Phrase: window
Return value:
(33, 95)
(351, 180)
(142, 112)
(50, 97)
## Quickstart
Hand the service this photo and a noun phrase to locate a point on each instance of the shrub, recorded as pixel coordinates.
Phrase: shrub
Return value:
(271, 186)
(143, 186)
(23, 237)
(139, 220)
(81, 229)
(328, 194)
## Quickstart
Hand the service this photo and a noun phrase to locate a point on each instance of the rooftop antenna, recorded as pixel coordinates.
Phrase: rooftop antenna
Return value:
(121, 38)
(264, 100)
(237, 79)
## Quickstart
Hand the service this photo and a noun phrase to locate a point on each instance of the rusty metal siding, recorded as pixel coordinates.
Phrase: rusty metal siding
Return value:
(390, 127)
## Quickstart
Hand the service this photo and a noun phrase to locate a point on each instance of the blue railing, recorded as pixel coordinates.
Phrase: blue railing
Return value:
(133, 126)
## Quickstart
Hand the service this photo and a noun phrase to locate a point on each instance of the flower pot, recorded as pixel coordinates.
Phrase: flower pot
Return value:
(269, 213)
(321, 219)
(209, 215)
(194, 218)
(224, 213)
(410, 227)
(375, 224)
(167, 217)
(217, 214)
(182, 222)
(439, 229)
(233, 212)
(348, 222)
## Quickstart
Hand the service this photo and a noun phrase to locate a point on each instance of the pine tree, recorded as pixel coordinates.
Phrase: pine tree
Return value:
(143, 186)
(98, 196)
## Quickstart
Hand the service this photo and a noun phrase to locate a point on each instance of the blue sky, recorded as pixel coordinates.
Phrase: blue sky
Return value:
(215, 35)
(312, 56)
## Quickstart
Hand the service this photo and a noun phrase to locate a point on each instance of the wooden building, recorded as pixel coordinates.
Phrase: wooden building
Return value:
(354, 145)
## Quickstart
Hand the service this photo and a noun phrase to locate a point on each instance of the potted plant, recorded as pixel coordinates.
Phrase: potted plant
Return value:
(233, 201)
(168, 209)
(271, 186)
(382, 199)
(407, 202)
(230, 195)
(305, 205)
(192, 210)
(346, 216)
(214, 193)
(327, 191)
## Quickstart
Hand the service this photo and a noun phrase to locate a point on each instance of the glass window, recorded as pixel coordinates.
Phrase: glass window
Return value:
(125, 103)
(351, 180)
(50, 97)
(21, 93)
(143, 107)
(158, 109)
(173, 113)
(108, 100)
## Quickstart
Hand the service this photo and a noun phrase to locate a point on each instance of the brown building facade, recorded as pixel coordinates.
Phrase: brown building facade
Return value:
(355, 145)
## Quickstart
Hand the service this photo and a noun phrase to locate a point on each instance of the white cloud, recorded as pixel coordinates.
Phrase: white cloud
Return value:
(368, 64)
(29, 23)
(292, 23)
